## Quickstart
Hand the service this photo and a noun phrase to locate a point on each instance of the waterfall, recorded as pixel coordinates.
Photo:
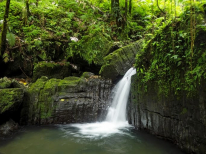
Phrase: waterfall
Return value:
(117, 112)
(116, 117)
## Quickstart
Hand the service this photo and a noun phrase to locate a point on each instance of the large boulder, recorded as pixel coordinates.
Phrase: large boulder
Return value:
(69, 100)
(51, 70)
(118, 62)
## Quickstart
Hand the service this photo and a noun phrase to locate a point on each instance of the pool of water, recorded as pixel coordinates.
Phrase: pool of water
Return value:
(71, 139)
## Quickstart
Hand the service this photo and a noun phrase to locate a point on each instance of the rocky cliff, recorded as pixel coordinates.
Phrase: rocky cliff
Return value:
(70, 100)
(179, 119)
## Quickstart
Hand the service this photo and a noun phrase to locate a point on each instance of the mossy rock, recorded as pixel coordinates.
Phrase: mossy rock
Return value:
(46, 98)
(42, 94)
(10, 98)
(109, 71)
(38, 85)
(118, 62)
(51, 70)
(114, 46)
(68, 82)
(32, 106)
(87, 74)
(5, 83)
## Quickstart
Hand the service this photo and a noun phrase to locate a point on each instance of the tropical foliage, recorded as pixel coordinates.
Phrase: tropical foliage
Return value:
(56, 30)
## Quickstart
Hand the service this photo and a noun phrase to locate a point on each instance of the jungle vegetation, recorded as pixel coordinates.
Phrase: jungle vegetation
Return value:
(60, 30)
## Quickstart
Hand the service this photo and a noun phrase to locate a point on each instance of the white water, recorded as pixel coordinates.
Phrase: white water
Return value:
(116, 118)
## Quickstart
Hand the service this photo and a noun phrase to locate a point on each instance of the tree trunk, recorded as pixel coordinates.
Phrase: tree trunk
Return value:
(116, 13)
(124, 23)
(130, 7)
(112, 6)
(4, 31)
(27, 8)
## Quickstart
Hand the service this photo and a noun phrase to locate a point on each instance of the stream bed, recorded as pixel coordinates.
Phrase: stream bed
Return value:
(72, 139)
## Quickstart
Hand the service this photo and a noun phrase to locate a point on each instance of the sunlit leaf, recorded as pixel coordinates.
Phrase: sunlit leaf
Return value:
(11, 39)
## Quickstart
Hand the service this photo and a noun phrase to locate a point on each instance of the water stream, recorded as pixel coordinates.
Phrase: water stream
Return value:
(112, 136)
(116, 118)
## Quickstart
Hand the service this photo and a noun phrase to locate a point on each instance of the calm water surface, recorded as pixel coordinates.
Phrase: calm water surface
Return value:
(69, 139)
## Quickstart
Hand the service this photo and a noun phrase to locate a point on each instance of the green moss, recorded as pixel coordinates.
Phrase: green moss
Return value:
(169, 60)
(33, 94)
(116, 61)
(34, 88)
(51, 70)
(96, 46)
(10, 98)
(45, 98)
(41, 96)
(122, 54)
(44, 91)
(184, 111)
(69, 82)
(87, 74)
(51, 85)
(5, 83)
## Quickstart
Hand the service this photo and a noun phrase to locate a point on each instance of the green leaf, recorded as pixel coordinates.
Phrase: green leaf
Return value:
(179, 63)
(11, 39)
(43, 55)
(5, 57)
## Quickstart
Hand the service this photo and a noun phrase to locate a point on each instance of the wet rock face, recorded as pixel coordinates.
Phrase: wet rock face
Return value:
(179, 119)
(69, 100)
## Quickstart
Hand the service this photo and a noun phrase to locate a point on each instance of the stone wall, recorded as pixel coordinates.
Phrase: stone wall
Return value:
(179, 119)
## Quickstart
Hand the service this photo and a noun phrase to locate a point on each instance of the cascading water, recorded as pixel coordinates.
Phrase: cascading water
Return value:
(116, 118)
(117, 112)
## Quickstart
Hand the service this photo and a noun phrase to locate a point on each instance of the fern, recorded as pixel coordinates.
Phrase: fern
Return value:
(5, 57)
(11, 39)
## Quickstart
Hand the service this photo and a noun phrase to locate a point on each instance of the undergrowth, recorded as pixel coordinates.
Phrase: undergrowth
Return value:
(174, 58)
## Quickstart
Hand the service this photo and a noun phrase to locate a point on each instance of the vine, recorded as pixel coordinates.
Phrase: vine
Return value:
(171, 63)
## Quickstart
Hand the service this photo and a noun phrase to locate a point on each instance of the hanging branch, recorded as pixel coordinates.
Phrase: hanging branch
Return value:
(4, 31)
(160, 8)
